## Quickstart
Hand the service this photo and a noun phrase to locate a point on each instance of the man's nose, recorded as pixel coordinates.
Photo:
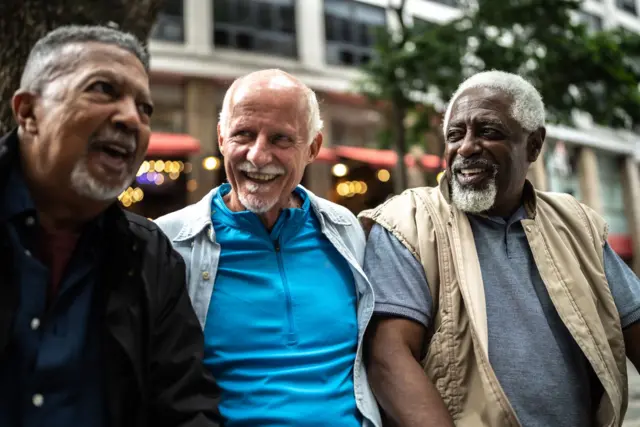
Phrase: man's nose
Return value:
(127, 118)
(260, 154)
(469, 145)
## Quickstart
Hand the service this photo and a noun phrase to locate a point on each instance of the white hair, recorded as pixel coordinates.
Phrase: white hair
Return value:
(527, 108)
(314, 121)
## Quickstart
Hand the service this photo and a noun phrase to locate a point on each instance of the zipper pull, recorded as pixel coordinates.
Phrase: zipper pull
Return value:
(276, 245)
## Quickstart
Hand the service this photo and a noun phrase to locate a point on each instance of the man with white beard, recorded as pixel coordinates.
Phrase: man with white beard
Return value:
(274, 272)
(496, 304)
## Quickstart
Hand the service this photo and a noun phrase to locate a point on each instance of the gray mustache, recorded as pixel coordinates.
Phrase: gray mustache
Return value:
(477, 163)
(126, 140)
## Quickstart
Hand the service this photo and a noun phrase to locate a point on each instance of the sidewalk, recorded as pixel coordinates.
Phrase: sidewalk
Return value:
(633, 412)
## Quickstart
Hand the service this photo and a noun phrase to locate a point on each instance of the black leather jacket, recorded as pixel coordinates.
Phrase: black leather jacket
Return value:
(152, 339)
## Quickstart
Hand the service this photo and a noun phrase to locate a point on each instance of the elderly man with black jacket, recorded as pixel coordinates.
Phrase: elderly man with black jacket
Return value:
(96, 327)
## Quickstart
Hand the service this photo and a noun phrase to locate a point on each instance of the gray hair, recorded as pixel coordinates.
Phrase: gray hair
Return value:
(45, 62)
(527, 108)
(314, 121)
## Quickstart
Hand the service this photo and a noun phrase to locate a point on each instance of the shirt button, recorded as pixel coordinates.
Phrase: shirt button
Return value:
(528, 229)
(37, 400)
(35, 323)
(30, 221)
(27, 253)
(206, 275)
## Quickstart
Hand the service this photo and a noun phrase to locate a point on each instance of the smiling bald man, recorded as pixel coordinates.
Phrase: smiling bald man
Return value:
(275, 271)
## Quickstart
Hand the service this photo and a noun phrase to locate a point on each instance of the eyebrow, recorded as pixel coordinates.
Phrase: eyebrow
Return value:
(140, 92)
(491, 121)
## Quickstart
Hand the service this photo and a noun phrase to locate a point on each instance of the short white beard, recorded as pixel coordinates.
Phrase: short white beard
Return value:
(470, 200)
(88, 186)
(256, 204)
(250, 197)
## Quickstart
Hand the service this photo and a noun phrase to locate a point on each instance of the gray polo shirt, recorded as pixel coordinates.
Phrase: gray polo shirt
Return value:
(546, 377)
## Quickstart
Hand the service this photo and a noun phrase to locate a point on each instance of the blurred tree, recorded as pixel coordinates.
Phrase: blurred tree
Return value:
(23, 22)
(575, 68)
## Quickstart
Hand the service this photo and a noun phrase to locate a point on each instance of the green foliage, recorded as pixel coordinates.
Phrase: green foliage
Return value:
(574, 68)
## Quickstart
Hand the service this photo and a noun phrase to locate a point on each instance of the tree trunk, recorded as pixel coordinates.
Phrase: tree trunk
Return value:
(23, 22)
(400, 180)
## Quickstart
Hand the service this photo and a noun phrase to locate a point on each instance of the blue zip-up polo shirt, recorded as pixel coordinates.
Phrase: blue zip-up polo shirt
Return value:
(51, 375)
(281, 332)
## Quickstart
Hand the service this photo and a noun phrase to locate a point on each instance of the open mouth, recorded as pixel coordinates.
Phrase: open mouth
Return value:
(473, 176)
(260, 178)
(113, 156)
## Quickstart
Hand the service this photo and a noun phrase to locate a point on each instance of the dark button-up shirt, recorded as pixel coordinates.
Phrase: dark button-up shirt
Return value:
(52, 374)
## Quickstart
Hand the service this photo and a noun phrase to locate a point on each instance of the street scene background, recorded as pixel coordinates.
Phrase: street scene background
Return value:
(383, 71)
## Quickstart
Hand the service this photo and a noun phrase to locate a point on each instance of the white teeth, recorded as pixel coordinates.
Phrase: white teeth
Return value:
(471, 171)
(261, 176)
(118, 149)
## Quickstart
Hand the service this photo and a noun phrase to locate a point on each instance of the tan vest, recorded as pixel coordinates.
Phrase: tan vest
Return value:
(566, 239)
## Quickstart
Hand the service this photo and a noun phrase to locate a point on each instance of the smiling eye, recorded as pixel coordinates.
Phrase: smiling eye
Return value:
(454, 136)
(281, 139)
(491, 133)
(102, 87)
(242, 136)
(146, 109)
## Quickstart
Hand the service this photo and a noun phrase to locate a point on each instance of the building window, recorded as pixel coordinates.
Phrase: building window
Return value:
(612, 193)
(353, 135)
(628, 6)
(593, 22)
(168, 114)
(561, 164)
(170, 23)
(350, 29)
(264, 26)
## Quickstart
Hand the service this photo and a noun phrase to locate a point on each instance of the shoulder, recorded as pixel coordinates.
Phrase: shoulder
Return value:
(339, 213)
(172, 223)
(405, 214)
(188, 220)
(156, 242)
(567, 210)
(404, 203)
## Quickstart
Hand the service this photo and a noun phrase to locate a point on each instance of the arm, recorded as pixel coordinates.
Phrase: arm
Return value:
(398, 381)
(395, 339)
(183, 393)
(625, 289)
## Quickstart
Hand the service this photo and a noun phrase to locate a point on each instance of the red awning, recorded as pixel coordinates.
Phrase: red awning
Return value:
(622, 245)
(375, 157)
(327, 155)
(172, 144)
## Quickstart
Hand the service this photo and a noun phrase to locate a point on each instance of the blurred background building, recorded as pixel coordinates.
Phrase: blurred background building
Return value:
(199, 46)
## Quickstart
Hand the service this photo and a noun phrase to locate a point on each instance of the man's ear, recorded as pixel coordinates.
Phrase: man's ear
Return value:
(534, 143)
(23, 105)
(314, 148)
(220, 140)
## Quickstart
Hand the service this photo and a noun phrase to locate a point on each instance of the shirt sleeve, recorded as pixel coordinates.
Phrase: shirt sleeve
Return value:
(624, 285)
(398, 279)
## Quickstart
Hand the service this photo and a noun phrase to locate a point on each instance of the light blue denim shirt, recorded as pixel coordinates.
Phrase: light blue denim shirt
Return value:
(192, 235)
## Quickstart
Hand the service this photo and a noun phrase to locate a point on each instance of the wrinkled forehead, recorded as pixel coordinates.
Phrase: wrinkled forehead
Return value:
(81, 61)
(481, 102)
(281, 101)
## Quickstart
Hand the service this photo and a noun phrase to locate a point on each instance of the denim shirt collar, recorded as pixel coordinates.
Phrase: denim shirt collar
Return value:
(198, 219)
